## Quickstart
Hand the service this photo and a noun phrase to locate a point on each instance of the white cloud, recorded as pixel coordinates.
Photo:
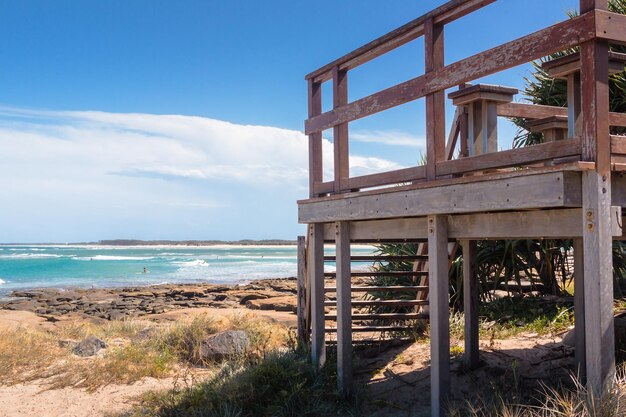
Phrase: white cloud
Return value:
(84, 167)
(389, 137)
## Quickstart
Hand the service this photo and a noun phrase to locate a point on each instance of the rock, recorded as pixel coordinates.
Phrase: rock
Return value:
(89, 346)
(224, 345)
(284, 303)
(67, 343)
(117, 315)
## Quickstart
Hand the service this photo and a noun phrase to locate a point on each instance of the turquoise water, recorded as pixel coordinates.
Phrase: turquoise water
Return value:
(61, 266)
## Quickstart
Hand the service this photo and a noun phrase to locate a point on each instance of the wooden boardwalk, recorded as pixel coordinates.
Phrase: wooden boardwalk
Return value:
(570, 186)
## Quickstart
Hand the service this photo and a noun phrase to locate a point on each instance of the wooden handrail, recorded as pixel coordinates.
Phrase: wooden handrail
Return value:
(511, 158)
(536, 111)
(558, 37)
(444, 14)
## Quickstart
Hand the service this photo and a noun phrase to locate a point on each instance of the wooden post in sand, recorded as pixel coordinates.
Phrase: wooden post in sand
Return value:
(596, 205)
(301, 288)
(470, 304)
(315, 270)
(439, 313)
(344, 307)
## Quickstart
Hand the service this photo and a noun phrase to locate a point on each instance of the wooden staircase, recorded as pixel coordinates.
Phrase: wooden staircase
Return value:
(365, 318)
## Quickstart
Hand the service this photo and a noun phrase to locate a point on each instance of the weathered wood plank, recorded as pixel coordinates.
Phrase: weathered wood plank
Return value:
(386, 178)
(611, 26)
(534, 46)
(393, 303)
(315, 268)
(374, 288)
(383, 316)
(555, 189)
(455, 129)
(315, 139)
(534, 224)
(536, 111)
(444, 14)
(512, 157)
(436, 101)
(618, 145)
(594, 80)
(470, 304)
(439, 314)
(301, 287)
(341, 141)
(344, 308)
(579, 307)
(598, 282)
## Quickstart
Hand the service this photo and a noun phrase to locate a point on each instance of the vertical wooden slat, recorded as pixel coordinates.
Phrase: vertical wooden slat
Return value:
(344, 308)
(315, 139)
(315, 268)
(454, 133)
(301, 287)
(439, 313)
(598, 281)
(340, 132)
(579, 308)
(435, 102)
(470, 304)
(464, 134)
(490, 123)
(574, 113)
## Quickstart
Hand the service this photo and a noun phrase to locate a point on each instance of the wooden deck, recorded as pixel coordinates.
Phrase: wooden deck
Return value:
(571, 186)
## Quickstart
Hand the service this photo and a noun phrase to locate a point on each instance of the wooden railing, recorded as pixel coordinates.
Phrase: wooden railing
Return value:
(594, 26)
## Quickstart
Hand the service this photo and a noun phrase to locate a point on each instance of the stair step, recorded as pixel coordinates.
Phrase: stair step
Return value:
(394, 303)
(398, 288)
(357, 329)
(382, 316)
(382, 274)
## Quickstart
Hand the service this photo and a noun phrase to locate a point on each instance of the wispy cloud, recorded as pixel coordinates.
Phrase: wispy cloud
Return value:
(135, 168)
(389, 137)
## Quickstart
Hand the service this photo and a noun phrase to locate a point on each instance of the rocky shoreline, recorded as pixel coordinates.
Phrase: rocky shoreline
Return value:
(135, 301)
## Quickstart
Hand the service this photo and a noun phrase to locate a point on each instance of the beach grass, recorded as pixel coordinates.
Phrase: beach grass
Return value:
(574, 401)
(135, 350)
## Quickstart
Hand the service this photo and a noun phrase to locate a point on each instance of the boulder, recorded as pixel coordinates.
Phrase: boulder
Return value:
(89, 346)
(224, 345)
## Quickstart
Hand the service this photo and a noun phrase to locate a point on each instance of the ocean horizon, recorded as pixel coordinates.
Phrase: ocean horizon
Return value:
(28, 266)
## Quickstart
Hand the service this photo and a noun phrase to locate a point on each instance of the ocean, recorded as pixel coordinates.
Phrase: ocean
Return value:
(62, 266)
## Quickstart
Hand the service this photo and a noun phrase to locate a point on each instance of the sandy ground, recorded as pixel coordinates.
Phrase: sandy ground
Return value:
(30, 400)
(394, 376)
(35, 400)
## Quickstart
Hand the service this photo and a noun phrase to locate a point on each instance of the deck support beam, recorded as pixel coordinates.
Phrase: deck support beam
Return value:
(439, 313)
(598, 283)
(344, 308)
(470, 304)
(579, 308)
(315, 269)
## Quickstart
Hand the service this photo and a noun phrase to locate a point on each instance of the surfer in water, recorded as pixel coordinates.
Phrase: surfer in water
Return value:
(145, 270)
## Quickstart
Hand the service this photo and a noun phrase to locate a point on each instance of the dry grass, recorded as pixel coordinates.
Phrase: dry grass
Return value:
(136, 349)
(554, 402)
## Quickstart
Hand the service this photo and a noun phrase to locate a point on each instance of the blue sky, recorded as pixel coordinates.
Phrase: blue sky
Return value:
(182, 119)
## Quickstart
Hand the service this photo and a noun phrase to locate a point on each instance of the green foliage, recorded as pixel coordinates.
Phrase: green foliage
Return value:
(279, 384)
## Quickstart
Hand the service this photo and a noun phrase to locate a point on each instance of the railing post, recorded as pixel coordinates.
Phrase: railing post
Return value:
(340, 132)
(596, 196)
(315, 139)
(435, 102)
